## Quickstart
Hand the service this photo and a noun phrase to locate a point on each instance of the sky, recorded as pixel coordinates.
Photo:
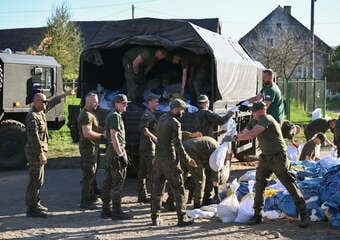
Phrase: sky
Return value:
(237, 16)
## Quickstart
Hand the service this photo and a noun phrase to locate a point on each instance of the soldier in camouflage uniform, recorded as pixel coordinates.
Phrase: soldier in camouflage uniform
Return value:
(89, 136)
(167, 164)
(36, 150)
(273, 159)
(137, 62)
(117, 161)
(318, 126)
(147, 146)
(205, 178)
(206, 120)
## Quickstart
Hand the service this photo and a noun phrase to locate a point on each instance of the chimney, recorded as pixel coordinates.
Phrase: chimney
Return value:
(288, 9)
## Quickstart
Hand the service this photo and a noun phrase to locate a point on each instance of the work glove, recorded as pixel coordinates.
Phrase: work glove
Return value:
(123, 161)
(228, 138)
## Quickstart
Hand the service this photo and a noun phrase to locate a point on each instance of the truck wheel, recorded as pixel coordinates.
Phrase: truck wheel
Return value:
(250, 154)
(12, 143)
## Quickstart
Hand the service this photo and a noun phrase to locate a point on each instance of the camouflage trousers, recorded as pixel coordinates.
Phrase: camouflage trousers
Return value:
(167, 170)
(36, 180)
(114, 182)
(134, 85)
(88, 163)
(279, 165)
(146, 159)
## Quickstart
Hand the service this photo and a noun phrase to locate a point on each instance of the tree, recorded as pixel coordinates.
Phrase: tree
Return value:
(333, 69)
(62, 40)
(285, 54)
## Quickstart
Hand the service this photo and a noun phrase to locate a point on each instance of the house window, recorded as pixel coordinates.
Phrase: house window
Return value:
(270, 42)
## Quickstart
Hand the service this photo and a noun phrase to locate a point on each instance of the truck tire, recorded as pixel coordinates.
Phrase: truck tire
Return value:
(250, 154)
(12, 143)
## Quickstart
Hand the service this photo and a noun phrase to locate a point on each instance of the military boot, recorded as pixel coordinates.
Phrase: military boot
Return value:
(36, 213)
(304, 219)
(106, 213)
(41, 207)
(157, 221)
(120, 215)
(184, 221)
(256, 219)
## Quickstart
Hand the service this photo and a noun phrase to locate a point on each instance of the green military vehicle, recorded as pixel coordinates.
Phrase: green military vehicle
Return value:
(21, 76)
(234, 76)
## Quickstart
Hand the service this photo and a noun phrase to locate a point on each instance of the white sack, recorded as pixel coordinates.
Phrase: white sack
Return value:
(227, 210)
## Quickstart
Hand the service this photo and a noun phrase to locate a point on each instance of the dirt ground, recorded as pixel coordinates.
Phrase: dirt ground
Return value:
(61, 193)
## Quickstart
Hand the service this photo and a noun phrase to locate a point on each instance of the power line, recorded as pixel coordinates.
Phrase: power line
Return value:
(81, 8)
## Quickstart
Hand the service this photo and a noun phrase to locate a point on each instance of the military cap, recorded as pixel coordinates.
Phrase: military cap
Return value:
(178, 103)
(120, 98)
(202, 98)
(258, 105)
(151, 96)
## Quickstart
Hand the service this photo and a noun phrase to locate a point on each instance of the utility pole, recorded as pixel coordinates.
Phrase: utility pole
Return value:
(133, 11)
(313, 57)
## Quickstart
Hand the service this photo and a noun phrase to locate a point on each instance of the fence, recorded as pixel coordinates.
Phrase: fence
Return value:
(303, 95)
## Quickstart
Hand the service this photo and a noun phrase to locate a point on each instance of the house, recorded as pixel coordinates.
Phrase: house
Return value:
(20, 39)
(280, 39)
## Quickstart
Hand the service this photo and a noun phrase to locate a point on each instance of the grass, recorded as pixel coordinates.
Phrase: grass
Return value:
(60, 141)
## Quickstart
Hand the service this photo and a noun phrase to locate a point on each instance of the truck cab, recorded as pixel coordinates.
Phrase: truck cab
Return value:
(21, 76)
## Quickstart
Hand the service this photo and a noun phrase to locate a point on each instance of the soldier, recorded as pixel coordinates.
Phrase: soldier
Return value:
(117, 161)
(89, 136)
(206, 120)
(318, 126)
(337, 136)
(167, 164)
(195, 70)
(308, 150)
(205, 178)
(36, 150)
(271, 95)
(272, 160)
(137, 62)
(147, 146)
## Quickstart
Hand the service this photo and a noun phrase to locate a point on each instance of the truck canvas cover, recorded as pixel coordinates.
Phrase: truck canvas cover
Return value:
(234, 75)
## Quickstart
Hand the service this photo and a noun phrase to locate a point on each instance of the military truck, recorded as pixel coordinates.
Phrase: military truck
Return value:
(21, 76)
(234, 76)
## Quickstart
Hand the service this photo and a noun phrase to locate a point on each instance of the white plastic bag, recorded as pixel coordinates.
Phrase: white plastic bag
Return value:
(227, 210)
(217, 158)
(249, 175)
(246, 211)
(274, 214)
(210, 208)
(198, 213)
(316, 114)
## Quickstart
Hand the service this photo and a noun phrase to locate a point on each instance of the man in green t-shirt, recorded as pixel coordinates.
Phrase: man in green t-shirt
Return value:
(89, 136)
(117, 161)
(272, 160)
(137, 62)
(271, 95)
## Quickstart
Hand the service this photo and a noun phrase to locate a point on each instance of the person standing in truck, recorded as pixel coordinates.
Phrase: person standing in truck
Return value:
(89, 138)
(137, 62)
(147, 146)
(195, 72)
(117, 161)
(206, 120)
(36, 150)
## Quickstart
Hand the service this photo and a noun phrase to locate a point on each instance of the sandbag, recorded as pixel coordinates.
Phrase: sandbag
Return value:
(198, 213)
(246, 210)
(217, 158)
(227, 210)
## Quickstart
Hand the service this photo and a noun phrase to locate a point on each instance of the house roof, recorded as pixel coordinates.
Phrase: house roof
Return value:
(20, 39)
(296, 22)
